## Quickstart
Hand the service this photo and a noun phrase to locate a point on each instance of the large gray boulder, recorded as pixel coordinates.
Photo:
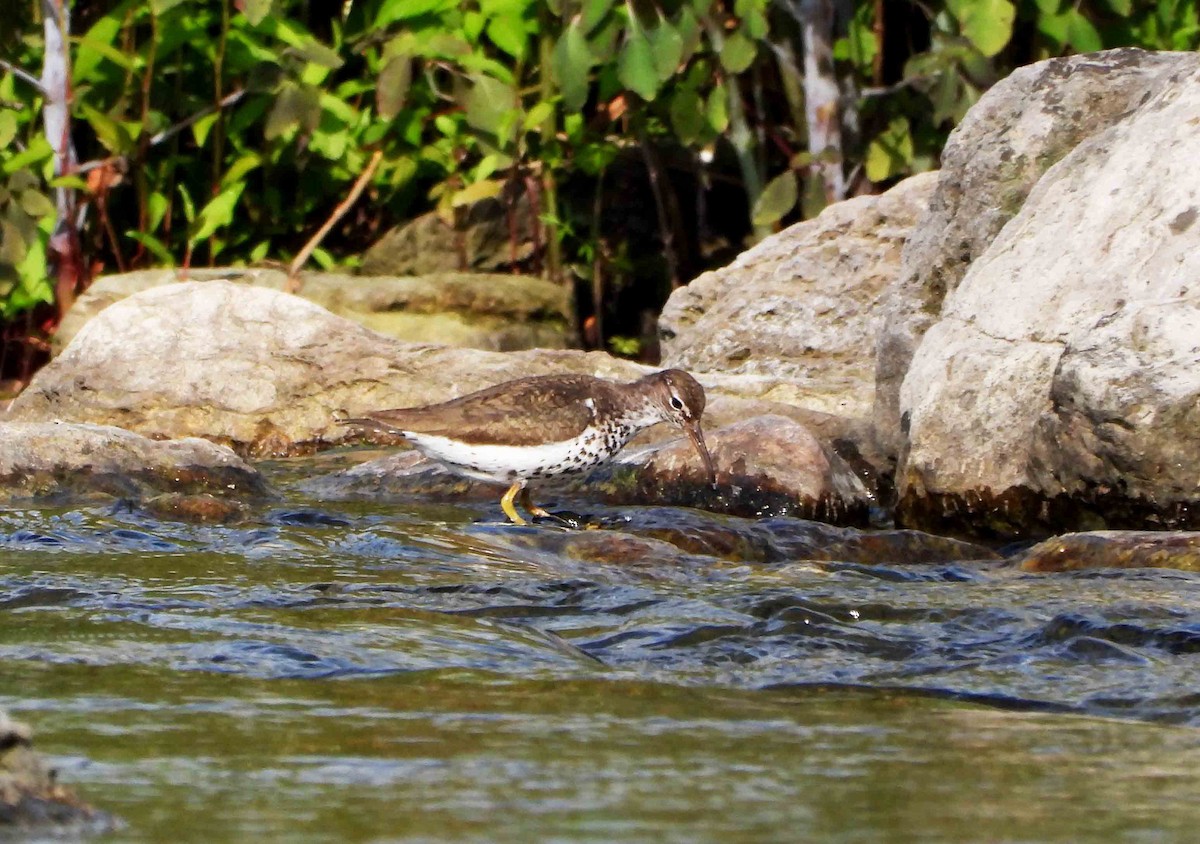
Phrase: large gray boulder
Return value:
(1061, 385)
(500, 312)
(794, 319)
(1016, 132)
(256, 369)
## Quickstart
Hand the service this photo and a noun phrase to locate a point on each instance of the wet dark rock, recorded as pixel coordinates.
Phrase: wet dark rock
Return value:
(48, 461)
(32, 801)
(1114, 549)
(767, 465)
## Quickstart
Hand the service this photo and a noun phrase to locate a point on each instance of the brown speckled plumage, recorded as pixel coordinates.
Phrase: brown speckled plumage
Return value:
(557, 423)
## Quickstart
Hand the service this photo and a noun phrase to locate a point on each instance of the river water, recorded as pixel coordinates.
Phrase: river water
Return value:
(414, 671)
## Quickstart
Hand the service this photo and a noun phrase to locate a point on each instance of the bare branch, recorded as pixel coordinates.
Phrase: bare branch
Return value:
(24, 76)
(172, 131)
(293, 282)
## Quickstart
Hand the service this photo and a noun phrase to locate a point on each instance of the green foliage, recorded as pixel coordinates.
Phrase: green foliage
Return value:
(241, 125)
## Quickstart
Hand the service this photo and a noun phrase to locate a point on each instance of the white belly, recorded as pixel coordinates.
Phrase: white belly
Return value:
(506, 463)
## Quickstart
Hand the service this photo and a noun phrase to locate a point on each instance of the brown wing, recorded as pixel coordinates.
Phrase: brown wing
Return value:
(546, 408)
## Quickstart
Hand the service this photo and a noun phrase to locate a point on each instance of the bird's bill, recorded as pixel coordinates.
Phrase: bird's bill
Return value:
(697, 438)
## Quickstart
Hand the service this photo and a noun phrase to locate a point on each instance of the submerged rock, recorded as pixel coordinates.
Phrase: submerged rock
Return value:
(1060, 387)
(32, 802)
(64, 461)
(1114, 549)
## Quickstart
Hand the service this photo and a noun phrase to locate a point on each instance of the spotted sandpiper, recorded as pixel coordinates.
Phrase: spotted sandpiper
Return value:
(544, 425)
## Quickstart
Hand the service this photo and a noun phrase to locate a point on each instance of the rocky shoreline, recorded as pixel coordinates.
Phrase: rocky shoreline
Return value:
(1002, 350)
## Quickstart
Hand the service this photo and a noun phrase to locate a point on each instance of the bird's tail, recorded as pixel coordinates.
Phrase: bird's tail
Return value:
(364, 423)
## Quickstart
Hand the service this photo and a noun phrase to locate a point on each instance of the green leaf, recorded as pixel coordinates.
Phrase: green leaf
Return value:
(255, 11)
(488, 104)
(391, 90)
(508, 33)
(189, 207)
(202, 127)
(738, 52)
(161, 7)
(8, 127)
(687, 116)
(891, 152)
(777, 198)
(294, 105)
(570, 63)
(237, 172)
(594, 11)
(1082, 35)
(391, 11)
(217, 213)
(89, 53)
(477, 192)
(156, 247)
(666, 45)
(636, 68)
(1055, 28)
(717, 109)
(537, 116)
(986, 23)
(36, 204)
(108, 131)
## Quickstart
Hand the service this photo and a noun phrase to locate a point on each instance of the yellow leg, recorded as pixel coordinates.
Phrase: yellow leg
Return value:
(506, 504)
(528, 504)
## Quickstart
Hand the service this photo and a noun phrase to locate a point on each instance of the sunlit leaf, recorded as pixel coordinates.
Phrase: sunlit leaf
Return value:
(986, 23)
(217, 213)
(109, 132)
(891, 152)
(90, 52)
(8, 127)
(1082, 35)
(476, 192)
(391, 11)
(738, 51)
(508, 33)
(255, 10)
(155, 246)
(716, 110)
(778, 198)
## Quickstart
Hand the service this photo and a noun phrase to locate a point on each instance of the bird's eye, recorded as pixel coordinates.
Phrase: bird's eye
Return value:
(676, 403)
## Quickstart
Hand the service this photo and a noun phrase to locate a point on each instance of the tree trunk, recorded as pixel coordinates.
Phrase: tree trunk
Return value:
(65, 253)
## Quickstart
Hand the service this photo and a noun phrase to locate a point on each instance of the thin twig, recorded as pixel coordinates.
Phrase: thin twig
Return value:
(293, 285)
(23, 75)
